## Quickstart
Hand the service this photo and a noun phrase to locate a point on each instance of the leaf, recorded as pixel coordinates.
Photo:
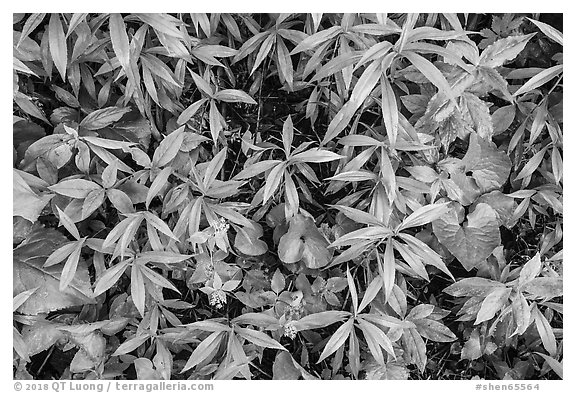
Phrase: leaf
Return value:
(70, 267)
(540, 79)
(231, 95)
(549, 31)
(554, 364)
(387, 262)
(337, 340)
(29, 273)
(431, 73)
(473, 286)
(545, 331)
(375, 337)
(255, 169)
(263, 52)
(137, 289)
(214, 167)
(434, 330)
(490, 167)
(473, 242)
(273, 181)
(187, 114)
(283, 367)
(31, 23)
(26, 203)
(131, 344)
(259, 338)
(320, 320)
(158, 183)
(371, 292)
(92, 202)
(353, 291)
(472, 349)
(164, 23)
(415, 348)
(109, 278)
(168, 148)
(57, 43)
(477, 114)
(389, 110)
(521, 313)
(493, 303)
(103, 117)
(303, 241)
(75, 188)
(424, 215)
(119, 39)
(503, 50)
(248, 242)
(315, 155)
(530, 270)
(278, 282)
(544, 287)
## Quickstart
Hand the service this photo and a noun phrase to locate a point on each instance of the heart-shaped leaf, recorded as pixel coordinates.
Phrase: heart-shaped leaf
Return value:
(248, 241)
(303, 241)
(489, 166)
(29, 273)
(475, 240)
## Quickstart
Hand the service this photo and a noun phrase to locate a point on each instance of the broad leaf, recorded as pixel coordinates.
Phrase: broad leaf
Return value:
(473, 242)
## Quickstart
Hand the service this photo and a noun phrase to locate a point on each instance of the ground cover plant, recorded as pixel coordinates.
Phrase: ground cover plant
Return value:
(287, 196)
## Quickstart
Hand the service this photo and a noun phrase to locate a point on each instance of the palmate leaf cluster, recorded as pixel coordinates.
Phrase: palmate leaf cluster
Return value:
(287, 196)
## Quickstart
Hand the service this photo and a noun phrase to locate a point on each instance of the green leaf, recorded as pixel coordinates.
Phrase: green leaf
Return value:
(544, 330)
(164, 23)
(103, 117)
(544, 287)
(168, 148)
(259, 338)
(503, 50)
(303, 241)
(337, 339)
(231, 95)
(205, 351)
(473, 286)
(187, 114)
(131, 344)
(158, 183)
(554, 364)
(490, 167)
(434, 330)
(119, 39)
(256, 169)
(31, 23)
(273, 181)
(29, 273)
(57, 42)
(283, 367)
(109, 278)
(431, 73)
(473, 242)
(550, 31)
(214, 167)
(26, 203)
(493, 303)
(539, 79)
(320, 320)
(75, 188)
(424, 215)
(315, 155)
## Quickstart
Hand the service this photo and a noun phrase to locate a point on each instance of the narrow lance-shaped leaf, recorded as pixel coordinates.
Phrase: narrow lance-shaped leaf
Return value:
(353, 292)
(57, 43)
(431, 73)
(337, 340)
